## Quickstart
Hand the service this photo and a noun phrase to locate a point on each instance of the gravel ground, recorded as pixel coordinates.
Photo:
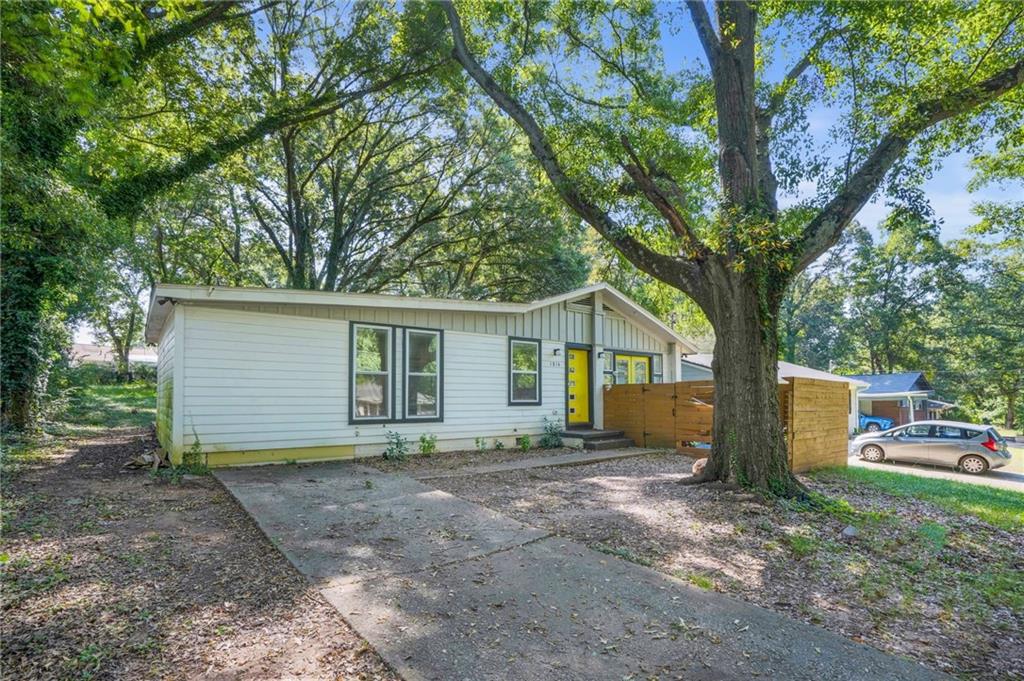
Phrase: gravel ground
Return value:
(115, 575)
(914, 581)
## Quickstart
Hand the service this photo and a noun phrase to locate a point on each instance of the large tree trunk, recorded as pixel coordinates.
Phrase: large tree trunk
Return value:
(1011, 410)
(749, 445)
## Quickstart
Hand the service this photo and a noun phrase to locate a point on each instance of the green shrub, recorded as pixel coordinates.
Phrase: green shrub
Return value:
(398, 447)
(428, 444)
(498, 444)
(481, 444)
(524, 443)
(551, 438)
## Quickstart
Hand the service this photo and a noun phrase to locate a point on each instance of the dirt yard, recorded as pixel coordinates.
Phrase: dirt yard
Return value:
(115, 575)
(947, 590)
(444, 461)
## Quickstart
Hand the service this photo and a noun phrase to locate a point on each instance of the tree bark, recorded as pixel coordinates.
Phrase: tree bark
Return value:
(748, 441)
(1011, 410)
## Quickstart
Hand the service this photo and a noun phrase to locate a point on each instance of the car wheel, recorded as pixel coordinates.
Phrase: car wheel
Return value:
(873, 427)
(872, 453)
(975, 465)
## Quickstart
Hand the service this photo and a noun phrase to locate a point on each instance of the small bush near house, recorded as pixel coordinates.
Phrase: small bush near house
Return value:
(524, 443)
(498, 444)
(551, 439)
(481, 444)
(192, 460)
(428, 444)
(398, 447)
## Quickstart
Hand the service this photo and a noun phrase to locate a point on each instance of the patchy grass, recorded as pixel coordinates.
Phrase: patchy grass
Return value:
(106, 406)
(624, 553)
(999, 507)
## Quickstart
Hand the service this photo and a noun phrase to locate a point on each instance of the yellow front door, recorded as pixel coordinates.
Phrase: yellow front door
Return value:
(577, 385)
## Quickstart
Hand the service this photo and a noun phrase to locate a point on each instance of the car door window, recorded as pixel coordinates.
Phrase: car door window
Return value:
(917, 431)
(949, 433)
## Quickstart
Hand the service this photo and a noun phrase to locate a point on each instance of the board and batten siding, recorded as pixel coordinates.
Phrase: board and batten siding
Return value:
(567, 322)
(258, 381)
(165, 387)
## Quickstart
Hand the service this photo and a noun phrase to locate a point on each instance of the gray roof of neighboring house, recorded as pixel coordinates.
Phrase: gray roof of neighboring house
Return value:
(786, 370)
(889, 384)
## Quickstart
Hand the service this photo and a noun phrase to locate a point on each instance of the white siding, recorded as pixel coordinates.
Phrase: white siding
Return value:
(263, 381)
(165, 386)
(259, 381)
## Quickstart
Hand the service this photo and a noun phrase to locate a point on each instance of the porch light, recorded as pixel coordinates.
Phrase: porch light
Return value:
(558, 351)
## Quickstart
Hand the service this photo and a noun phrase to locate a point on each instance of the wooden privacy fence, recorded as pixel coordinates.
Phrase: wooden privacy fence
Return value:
(814, 414)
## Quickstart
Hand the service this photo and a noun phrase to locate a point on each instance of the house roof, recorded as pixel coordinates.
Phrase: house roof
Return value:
(912, 382)
(786, 370)
(159, 309)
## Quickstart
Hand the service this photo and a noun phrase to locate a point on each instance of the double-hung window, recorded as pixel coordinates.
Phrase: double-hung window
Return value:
(372, 362)
(524, 371)
(422, 374)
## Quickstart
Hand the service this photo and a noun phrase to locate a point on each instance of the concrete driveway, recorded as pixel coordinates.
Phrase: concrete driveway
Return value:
(1000, 477)
(447, 589)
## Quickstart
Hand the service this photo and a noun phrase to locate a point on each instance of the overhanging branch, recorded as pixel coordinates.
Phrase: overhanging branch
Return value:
(685, 274)
(825, 229)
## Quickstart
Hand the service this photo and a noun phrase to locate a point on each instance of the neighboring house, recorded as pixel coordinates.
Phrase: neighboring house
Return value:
(902, 397)
(90, 353)
(255, 375)
(697, 367)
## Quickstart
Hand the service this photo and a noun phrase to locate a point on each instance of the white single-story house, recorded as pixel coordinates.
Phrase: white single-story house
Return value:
(697, 367)
(250, 375)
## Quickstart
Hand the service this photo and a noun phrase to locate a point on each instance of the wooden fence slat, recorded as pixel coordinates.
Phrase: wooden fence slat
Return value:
(814, 413)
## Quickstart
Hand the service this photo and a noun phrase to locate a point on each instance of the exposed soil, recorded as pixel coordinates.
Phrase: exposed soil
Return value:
(111, 574)
(914, 581)
(446, 461)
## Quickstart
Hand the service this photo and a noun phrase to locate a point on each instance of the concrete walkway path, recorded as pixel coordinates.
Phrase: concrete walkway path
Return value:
(449, 590)
(569, 459)
(999, 478)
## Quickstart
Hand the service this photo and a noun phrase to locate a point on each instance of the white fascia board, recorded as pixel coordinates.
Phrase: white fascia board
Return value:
(625, 306)
(890, 395)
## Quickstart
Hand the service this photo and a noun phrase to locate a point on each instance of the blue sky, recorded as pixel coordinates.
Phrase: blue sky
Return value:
(946, 190)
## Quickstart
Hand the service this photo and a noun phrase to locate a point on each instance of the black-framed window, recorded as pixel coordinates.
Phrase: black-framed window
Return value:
(657, 373)
(523, 371)
(423, 374)
(372, 362)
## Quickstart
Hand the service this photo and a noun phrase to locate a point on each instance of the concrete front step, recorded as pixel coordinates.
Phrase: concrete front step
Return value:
(608, 443)
(590, 434)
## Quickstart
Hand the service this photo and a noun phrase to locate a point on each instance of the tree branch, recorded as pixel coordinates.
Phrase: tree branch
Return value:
(692, 245)
(127, 195)
(825, 229)
(705, 30)
(685, 274)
